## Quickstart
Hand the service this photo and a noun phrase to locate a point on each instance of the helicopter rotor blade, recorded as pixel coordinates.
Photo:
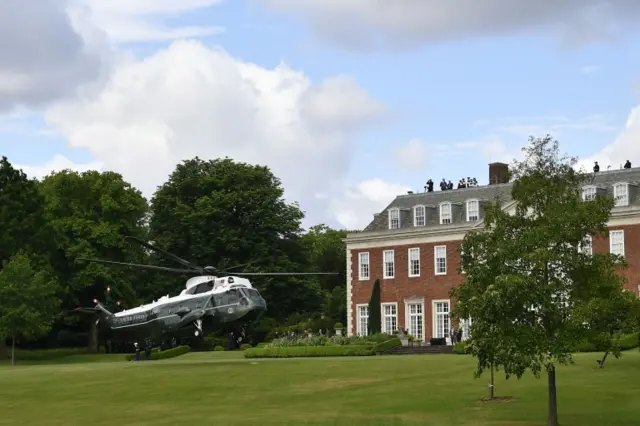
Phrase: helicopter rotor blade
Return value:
(137, 265)
(286, 273)
(167, 254)
(243, 264)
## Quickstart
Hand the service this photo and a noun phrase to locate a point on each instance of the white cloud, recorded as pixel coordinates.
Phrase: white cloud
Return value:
(56, 164)
(142, 20)
(366, 24)
(189, 100)
(356, 207)
(412, 155)
(45, 56)
(540, 126)
(624, 147)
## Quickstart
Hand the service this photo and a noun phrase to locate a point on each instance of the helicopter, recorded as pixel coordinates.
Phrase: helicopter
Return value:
(209, 299)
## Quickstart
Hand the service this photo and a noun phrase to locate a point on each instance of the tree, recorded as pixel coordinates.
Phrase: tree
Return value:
(28, 300)
(223, 213)
(527, 280)
(21, 216)
(608, 319)
(326, 252)
(374, 320)
(90, 214)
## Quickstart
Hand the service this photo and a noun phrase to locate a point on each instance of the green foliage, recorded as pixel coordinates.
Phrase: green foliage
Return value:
(527, 285)
(245, 346)
(48, 354)
(90, 213)
(387, 345)
(320, 340)
(309, 351)
(622, 342)
(28, 299)
(21, 212)
(218, 348)
(338, 325)
(158, 355)
(224, 213)
(374, 320)
(461, 348)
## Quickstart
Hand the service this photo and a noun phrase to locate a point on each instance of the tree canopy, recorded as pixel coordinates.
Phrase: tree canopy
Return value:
(527, 280)
(28, 299)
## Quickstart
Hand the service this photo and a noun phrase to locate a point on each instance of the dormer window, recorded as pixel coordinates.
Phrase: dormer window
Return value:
(419, 216)
(588, 193)
(621, 194)
(445, 213)
(394, 218)
(473, 210)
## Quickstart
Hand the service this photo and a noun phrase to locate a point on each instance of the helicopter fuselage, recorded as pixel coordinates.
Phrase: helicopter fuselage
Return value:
(206, 302)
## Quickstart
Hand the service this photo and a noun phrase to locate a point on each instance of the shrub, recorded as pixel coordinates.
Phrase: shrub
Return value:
(320, 340)
(338, 325)
(460, 348)
(309, 351)
(387, 345)
(626, 342)
(438, 341)
(218, 348)
(245, 346)
(158, 355)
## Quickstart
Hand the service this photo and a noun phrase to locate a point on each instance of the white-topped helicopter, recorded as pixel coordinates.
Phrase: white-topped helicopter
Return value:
(207, 299)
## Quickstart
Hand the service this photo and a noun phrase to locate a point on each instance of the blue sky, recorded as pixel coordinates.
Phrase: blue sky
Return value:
(462, 101)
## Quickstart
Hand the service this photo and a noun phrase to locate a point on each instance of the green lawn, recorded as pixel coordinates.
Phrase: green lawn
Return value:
(225, 389)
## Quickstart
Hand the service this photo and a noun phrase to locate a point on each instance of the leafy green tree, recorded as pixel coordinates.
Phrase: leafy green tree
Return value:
(526, 279)
(223, 213)
(90, 214)
(21, 216)
(326, 252)
(609, 318)
(374, 320)
(28, 300)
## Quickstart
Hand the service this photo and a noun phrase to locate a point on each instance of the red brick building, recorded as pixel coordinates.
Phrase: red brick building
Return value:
(413, 247)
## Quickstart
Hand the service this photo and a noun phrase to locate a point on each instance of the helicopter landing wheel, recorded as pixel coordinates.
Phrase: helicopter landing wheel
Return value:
(196, 333)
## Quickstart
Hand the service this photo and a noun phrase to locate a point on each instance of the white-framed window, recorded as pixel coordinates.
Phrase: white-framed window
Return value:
(445, 213)
(616, 242)
(586, 246)
(440, 260)
(589, 193)
(394, 218)
(441, 318)
(414, 262)
(363, 319)
(415, 318)
(364, 268)
(465, 324)
(621, 194)
(473, 210)
(389, 317)
(419, 216)
(388, 264)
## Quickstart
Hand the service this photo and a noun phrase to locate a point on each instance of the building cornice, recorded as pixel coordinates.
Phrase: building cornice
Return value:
(620, 216)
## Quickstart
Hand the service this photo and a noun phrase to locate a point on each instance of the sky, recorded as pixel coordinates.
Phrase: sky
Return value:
(349, 102)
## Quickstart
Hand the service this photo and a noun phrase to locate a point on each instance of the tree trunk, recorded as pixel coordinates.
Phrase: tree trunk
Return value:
(604, 358)
(552, 419)
(491, 387)
(13, 351)
(93, 337)
(4, 355)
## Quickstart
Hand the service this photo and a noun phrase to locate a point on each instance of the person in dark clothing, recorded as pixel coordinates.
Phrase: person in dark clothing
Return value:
(627, 165)
(429, 185)
(596, 167)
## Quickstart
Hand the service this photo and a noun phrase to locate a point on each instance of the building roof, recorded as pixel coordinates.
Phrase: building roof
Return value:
(604, 180)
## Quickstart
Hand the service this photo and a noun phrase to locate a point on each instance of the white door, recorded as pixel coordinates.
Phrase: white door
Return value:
(416, 320)
(442, 324)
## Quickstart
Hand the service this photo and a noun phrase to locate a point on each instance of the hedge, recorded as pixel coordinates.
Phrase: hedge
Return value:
(158, 355)
(310, 351)
(387, 345)
(460, 348)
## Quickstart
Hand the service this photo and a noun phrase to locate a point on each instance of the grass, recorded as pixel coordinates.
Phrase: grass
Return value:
(224, 388)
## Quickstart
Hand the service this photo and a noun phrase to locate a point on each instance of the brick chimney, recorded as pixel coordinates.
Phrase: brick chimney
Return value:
(498, 173)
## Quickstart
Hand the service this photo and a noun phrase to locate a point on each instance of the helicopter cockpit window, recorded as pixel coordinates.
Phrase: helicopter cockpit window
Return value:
(204, 287)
